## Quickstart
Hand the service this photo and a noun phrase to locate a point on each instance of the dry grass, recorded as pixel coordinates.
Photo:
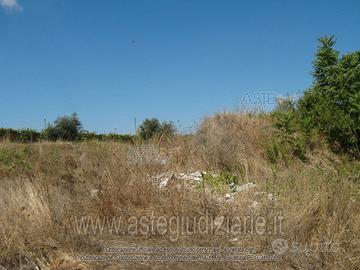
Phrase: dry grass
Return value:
(46, 185)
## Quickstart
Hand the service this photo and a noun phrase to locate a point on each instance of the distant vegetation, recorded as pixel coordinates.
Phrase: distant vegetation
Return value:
(151, 127)
(69, 128)
(21, 135)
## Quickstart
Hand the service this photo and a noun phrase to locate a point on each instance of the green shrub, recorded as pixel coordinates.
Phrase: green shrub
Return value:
(288, 140)
(29, 135)
(67, 128)
(11, 158)
(125, 138)
(22, 135)
(285, 116)
(151, 127)
(220, 182)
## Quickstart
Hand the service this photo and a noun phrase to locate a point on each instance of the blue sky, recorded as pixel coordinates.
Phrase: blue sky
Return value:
(113, 60)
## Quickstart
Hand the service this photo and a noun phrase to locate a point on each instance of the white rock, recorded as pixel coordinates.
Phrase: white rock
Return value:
(94, 193)
(195, 176)
(246, 186)
(232, 185)
(164, 182)
(165, 177)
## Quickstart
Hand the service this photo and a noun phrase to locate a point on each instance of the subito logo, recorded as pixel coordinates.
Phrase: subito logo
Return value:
(280, 246)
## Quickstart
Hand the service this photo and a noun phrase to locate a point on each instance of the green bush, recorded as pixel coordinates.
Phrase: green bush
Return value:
(12, 158)
(67, 128)
(151, 127)
(288, 141)
(220, 182)
(22, 135)
(29, 135)
(125, 138)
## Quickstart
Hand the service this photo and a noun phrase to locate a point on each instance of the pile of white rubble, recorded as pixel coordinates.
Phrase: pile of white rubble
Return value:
(196, 177)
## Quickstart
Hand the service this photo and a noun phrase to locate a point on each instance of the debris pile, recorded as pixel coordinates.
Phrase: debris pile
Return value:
(197, 177)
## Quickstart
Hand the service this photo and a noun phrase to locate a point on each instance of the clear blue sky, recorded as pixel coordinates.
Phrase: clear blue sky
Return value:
(113, 60)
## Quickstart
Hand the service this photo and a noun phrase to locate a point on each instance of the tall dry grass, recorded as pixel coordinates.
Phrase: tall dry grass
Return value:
(45, 185)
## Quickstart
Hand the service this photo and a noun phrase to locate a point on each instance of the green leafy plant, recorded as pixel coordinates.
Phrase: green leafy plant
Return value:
(219, 182)
(10, 158)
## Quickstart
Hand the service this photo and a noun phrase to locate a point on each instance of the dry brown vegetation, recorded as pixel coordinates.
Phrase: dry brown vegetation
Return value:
(44, 186)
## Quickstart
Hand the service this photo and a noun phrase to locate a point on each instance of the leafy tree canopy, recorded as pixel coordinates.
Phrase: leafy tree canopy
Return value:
(66, 128)
(151, 127)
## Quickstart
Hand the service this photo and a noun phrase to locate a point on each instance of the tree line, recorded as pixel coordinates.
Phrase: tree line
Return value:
(69, 128)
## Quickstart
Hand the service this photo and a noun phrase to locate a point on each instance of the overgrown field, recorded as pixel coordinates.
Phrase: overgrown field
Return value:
(308, 197)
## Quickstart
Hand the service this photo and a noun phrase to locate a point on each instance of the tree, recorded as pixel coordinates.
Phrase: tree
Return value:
(151, 127)
(325, 60)
(332, 105)
(168, 128)
(66, 128)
